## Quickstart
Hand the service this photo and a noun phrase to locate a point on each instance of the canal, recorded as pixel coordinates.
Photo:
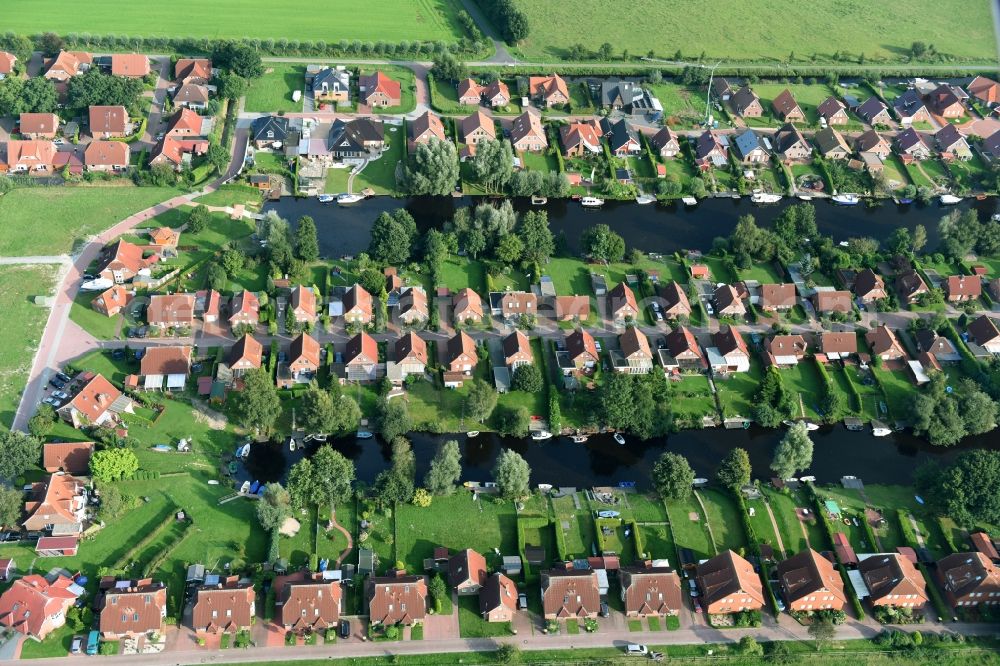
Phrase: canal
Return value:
(652, 228)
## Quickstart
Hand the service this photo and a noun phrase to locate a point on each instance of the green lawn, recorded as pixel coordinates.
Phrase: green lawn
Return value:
(70, 215)
(456, 523)
(970, 174)
(388, 20)
(543, 162)
(457, 273)
(878, 31)
(808, 96)
(689, 533)
(899, 391)
(380, 175)
(803, 381)
(472, 625)
(737, 391)
(764, 272)
(229, 195)
(577, 525)
(691, 398)
(272, 93)
(23, 326)
(783, 505)
(724, 518)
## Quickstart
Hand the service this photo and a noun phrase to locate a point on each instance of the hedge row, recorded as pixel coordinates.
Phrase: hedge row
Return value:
(855, 394)
(168, 548)
(146, 540)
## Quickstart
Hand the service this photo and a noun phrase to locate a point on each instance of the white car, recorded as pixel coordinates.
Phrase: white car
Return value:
(636, 650)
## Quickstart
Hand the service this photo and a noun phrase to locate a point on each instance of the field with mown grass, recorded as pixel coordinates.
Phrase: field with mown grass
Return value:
(22, 328)
(50, 220)
(385, 20)
(747, 30)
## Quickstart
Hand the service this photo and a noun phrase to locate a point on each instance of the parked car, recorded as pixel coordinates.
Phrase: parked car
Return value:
(694, 587)
(522, 601)
(636, 650)
(53, 401)
(345, 628)
(55, 382)
(93, 642)
(61, 395)
(62, 376)
(605, 611)
(76, 647)
(10, 536)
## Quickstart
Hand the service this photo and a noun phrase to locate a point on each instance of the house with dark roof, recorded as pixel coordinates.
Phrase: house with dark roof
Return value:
(332, 84)
(833, 111)
(786, 108)
(621, 137)
(629, 97)
(728, 584)
(622, 305)
(969, 580)
(791, 145)
(912, 145)
(984, 332)
(930, 342)
(750, 148)
(710, 152)
(952, 144)
(831, 144)
(684, 349)
(946, 102)
(746, 103)
(728, 302)
(990, 147)
(498, 598)
(910, 108)
(675, 302)
(910, 286)
(516, 350)
(874, 112)
(809, 582)
(353, 139)
(665, 143)
(570, 593)
(869, 286)
(467, 571)
(636, 358)
(409, 355)
(730, 353)
(361, 358)
(425, 128)
(461, 357)
(268, 131)
(650, 591)
(873, 143)
(892, 580)
(527, 133)
(582, 349)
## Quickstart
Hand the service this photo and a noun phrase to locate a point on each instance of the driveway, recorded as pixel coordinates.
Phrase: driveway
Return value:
(440, 627)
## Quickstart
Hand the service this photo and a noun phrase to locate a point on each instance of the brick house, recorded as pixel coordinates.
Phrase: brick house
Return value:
(34, 607)
(467, 571)
(306, 603)
(684, 349)
(228, 607)
(791, 145)
(244, 310)
(69, 457)
(398, 599)
(728, 584)
(38, 125)
(893, 580)
(650, 591)
(477, 128)
(836, 346)
(833, 301)
(517, 350)
(728, 302)
(68, 64)
(462, 356)
(106, 156)
(527, 133)
(96, 402)
(869, 286)
(498, 598)
(379, 90)
(786, 108)
(246, 355)
(570, 593)
(775, 297)
(111, 301)
(548, 90)
(983, 331)
(357, 305)
(960, 288)
(413, 306)
(810, 582)
(30, 156)
(361, 358)
(833, 111)
(622, 305)
(107, 122)
(969, 580)
(582, 350)
(746, 103)
(581, 138)
(636, 356)
(468, 306)
(133, 608)
(884, 343)
(129, 65)
(166, 366)
(732, 350)
(57, 503)
(303, 305)
(675, 301)
(171, 311)
(784, 350)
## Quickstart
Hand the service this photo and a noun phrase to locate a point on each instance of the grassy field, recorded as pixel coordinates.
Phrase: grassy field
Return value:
(689, 533)
(23, 326)
(70, 214)
(879, 31)
(389, 20)
(272, 92)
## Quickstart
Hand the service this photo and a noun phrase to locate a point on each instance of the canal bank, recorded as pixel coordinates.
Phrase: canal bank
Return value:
(662, 228)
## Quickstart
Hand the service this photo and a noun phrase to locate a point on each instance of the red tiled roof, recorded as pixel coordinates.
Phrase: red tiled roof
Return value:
(106, 153)
(129, 64)
(165, 361)
(111, 119)
(70, 457)
(94, 398)
(38, 123)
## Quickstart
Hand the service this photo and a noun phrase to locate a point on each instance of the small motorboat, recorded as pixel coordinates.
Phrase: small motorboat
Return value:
(292, 445)
(689, 201)
(949, 199)
(846, 199)
(618, 438)
(364, 434)
(805, 197)
(326, 198)
(591, 202)
(541, 435)
(472, 433)
(644, 199)
(765, 198)
(348, 198)
(100, 284)
(539, 201)
(579, 439)
(810, 426)
(904, 201)
(880, 429)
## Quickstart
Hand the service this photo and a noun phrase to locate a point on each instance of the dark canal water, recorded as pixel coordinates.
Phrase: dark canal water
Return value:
(652, 228)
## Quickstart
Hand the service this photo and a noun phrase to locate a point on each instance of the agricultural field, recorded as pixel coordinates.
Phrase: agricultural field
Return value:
(23, 326)
(386, 20)
(71, 214)
(877, 30)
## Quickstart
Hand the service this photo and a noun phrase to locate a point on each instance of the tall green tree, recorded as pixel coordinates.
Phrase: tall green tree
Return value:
(238, 57)
(536, 237)
(392, 418)
(672, 476)
(274, 507)
(258, 404)
(11, 504)
(306, 240)
(480, 401)
(603, 244)
(392, 237)
(333, 476)
(512, 475)
(511, 421)
(431, 169)
(735, 469)
(493, 164)
(445, 469)
(18, 453)
(113, 464)
(794, 452)
(965, 489)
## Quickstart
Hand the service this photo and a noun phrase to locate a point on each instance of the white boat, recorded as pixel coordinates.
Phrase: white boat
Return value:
(591, 202)
(579, 439)
(880, 429)
(245, 451)
(619, 438)
(689, 201)
(805, 197)
(644, 199)
(364, 434)
(996, 217)
(846, 199)
(539, 201)
(291, 445)
(810, 426)
(326, 198)
(765, 198)
(100, 284)
(949, 199)
(699, 482)
(472, 433)
(347, 198)
(541, 435)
